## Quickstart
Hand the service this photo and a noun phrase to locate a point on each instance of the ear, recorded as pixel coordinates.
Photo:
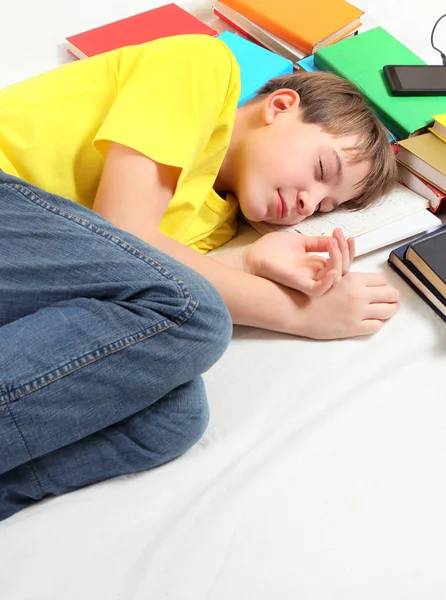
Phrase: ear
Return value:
(278, 102)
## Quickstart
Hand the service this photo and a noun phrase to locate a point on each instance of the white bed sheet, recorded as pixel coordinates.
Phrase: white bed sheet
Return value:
(322, 474)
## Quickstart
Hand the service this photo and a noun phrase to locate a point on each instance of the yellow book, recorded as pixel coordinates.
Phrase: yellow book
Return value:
(439, 127)
(425, 155)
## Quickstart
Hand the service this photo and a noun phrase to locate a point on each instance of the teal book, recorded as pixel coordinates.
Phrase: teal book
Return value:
(307, 64)
(361, 59)
(257, 64)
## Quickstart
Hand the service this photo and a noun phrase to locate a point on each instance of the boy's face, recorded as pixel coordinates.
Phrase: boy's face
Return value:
(288, 169)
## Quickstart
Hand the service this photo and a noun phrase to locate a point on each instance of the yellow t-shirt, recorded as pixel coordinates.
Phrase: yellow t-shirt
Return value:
(174, 100)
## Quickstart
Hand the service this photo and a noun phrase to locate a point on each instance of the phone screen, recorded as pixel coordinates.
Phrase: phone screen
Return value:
(431, 77)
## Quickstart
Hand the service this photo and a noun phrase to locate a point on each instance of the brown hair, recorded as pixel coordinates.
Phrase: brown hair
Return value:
(340, 109)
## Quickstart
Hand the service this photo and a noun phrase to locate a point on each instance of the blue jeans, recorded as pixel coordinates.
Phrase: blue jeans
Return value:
(103, 340)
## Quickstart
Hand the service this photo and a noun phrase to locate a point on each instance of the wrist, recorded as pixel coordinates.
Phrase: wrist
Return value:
(235, 258)
(269, 305)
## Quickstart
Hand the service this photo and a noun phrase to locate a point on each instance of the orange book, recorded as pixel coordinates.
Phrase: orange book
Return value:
(307, 25)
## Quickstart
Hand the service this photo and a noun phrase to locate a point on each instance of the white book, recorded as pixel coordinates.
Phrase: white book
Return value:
(395, 217)
(263, 36)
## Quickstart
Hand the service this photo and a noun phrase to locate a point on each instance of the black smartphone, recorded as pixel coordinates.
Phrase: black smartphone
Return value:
(416, 80)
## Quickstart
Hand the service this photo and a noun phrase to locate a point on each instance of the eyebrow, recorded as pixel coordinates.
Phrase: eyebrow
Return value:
(339, 172)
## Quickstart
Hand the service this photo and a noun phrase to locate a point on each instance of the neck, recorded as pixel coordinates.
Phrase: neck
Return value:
(227, 176)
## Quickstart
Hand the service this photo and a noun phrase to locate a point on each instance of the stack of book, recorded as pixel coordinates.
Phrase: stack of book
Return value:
(422, 164)
(291, 29)
(422, 264)
(421, 155)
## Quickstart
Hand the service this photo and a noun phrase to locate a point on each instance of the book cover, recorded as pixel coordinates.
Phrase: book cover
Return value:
(439, 128)
(305, 25)
(426, 155)
(257, 64)
(436, 198)
(307, 64)
(397, 261)
(163, 21)
(361, 59)
(256, 33)
(428, 255)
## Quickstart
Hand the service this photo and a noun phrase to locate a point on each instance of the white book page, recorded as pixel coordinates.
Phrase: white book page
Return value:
(396, 232)
(400, 203)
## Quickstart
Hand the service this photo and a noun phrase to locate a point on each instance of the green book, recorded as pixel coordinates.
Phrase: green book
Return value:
(361, 59)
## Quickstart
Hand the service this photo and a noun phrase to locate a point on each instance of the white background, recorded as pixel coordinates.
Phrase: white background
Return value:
(322, 475)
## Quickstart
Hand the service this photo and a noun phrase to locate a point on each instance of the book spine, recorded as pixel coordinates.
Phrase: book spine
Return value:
(396, 268)
(238, 28)
(441, 208)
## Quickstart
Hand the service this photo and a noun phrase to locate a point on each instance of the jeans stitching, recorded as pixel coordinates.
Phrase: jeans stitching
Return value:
(33, 197)
(80, 362)
(29, 463)
(117, 345)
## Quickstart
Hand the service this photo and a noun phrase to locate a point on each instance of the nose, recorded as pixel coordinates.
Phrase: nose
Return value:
(306, 203)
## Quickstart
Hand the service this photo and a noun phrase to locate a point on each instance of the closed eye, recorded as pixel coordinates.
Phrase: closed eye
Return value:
(322, 172)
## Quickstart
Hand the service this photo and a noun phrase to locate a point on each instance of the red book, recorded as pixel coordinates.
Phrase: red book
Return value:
(163, 21)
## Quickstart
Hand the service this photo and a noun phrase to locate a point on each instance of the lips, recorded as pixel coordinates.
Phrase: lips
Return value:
(282, 209)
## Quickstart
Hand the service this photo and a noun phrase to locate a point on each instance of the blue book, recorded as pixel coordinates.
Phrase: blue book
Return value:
(257, 64)
(307, 63)
(397, 260)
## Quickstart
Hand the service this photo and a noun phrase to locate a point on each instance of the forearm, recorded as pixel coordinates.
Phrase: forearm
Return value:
(251, 300)
(134, 193)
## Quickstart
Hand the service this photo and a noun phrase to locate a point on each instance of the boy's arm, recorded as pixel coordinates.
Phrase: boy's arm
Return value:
(134, 193)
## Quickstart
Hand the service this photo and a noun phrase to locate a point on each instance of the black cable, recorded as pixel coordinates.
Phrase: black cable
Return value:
(442, 54)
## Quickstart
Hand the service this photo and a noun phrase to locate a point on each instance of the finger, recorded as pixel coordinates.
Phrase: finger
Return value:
(320, 287)
(383, 293)
(319, 267)
(371, 279)
(351, 248)
(370, 327)
(343, 247)
(335, 259)
(315, 243)
(382, 311)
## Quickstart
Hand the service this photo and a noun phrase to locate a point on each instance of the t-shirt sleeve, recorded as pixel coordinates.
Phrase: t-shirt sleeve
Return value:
(225, 232)
(159, 108)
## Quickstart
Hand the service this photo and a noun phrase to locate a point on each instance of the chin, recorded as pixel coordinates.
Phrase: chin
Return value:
(251, 213)
(285, 222)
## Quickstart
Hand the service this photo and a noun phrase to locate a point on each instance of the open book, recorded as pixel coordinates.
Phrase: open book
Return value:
(395, 217)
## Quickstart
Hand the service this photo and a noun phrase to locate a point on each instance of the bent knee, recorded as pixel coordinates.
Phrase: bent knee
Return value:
(172, 426)
(211, 325)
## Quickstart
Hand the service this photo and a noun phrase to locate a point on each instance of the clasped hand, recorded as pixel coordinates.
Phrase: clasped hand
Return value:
(285, 258)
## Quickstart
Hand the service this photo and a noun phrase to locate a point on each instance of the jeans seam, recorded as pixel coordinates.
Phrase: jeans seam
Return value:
(75, 364)
(112, 237)
(81, 362)
(29, 462)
